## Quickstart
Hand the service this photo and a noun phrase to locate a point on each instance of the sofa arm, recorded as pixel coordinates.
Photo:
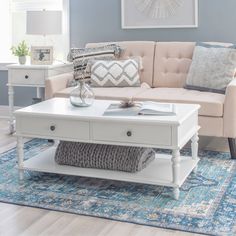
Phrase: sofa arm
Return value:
(230, 111)
(56, 83)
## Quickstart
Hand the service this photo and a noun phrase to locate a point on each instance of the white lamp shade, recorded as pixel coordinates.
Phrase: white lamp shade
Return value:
(44, 22)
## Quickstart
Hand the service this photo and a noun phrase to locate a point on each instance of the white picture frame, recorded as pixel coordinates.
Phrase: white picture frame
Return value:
(41, 55)
(144, 21)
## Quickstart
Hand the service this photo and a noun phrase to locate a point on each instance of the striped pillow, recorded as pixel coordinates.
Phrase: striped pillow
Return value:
(81, 57)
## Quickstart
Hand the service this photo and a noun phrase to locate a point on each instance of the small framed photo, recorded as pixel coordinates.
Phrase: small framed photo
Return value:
(41, 55)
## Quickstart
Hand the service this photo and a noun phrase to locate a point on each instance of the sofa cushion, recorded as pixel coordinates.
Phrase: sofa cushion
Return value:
(211, 104)
(113, 93)
(172, 63)
(143, 49)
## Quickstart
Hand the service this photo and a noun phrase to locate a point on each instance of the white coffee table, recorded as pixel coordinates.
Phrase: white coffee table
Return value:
(57, 119)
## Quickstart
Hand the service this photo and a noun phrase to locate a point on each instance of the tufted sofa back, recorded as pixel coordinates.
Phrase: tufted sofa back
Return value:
(165, 64)
(171, 64)
(144, 49)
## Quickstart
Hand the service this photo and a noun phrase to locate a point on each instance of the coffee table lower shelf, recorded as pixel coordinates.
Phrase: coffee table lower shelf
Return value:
(159, 172)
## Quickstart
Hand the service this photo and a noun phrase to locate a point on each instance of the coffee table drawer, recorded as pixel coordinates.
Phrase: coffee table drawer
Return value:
(53, 128)
(139, 134)
(29, 77)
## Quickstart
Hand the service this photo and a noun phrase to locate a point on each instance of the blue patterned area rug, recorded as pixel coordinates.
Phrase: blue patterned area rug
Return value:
(207, 202)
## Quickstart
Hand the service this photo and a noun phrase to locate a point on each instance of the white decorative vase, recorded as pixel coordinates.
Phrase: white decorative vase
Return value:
(22, 60)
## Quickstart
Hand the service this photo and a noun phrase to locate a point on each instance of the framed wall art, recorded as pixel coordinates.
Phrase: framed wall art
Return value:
(41, 55)
(159, 14)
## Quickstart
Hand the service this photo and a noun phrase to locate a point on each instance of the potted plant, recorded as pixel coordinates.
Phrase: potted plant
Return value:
(21, 51)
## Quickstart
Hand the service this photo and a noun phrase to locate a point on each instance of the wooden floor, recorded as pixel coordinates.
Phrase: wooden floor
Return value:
(26, 221)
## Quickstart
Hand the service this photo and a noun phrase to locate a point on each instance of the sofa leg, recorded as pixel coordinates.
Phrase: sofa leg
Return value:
(232, 147)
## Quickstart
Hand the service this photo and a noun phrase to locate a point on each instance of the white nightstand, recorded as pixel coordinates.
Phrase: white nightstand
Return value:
(31, 76)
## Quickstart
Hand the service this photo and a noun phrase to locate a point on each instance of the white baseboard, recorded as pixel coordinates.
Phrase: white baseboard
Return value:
(4, 112)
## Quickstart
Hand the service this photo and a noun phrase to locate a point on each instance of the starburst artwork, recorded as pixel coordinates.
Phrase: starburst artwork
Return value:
(159, 13)
(158, 8)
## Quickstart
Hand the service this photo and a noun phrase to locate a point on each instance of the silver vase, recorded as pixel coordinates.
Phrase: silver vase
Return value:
(82, 95)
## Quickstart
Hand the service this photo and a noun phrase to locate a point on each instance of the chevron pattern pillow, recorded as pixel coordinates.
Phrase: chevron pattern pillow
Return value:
(123, 73)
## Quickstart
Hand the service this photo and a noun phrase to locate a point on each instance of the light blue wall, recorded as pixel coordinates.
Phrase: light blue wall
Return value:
(3, 88)
(100, 20)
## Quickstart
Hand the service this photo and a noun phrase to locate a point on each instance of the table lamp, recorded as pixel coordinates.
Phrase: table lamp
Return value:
(43, 23)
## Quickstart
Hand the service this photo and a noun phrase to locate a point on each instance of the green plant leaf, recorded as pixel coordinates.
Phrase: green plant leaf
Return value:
(21, 49)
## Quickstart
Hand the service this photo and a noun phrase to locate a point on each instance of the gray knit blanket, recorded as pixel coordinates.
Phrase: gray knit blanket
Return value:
(109, 157)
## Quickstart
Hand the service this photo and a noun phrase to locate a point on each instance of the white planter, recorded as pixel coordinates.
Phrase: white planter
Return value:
(22, 60)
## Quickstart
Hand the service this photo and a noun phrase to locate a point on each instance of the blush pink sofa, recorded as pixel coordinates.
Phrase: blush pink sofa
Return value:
(166, 65)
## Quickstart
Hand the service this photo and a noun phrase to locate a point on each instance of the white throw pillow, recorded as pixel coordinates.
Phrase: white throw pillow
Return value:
(116, 73)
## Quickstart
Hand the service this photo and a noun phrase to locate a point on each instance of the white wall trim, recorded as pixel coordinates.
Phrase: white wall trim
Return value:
(66, 9)
(3, 66)
(4, 111)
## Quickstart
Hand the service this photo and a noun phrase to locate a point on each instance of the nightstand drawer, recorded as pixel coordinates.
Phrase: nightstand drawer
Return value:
(27, 77)
(128, 133)
(53, 128)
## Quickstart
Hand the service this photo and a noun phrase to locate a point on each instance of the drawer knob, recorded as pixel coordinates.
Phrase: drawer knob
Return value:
(26, 77)
(52, 127)
(129, 133)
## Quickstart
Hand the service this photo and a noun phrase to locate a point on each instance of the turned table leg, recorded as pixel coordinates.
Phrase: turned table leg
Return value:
(11, 109)
(38, 92)
(175, 171)
(20, 157)
(194, 146)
